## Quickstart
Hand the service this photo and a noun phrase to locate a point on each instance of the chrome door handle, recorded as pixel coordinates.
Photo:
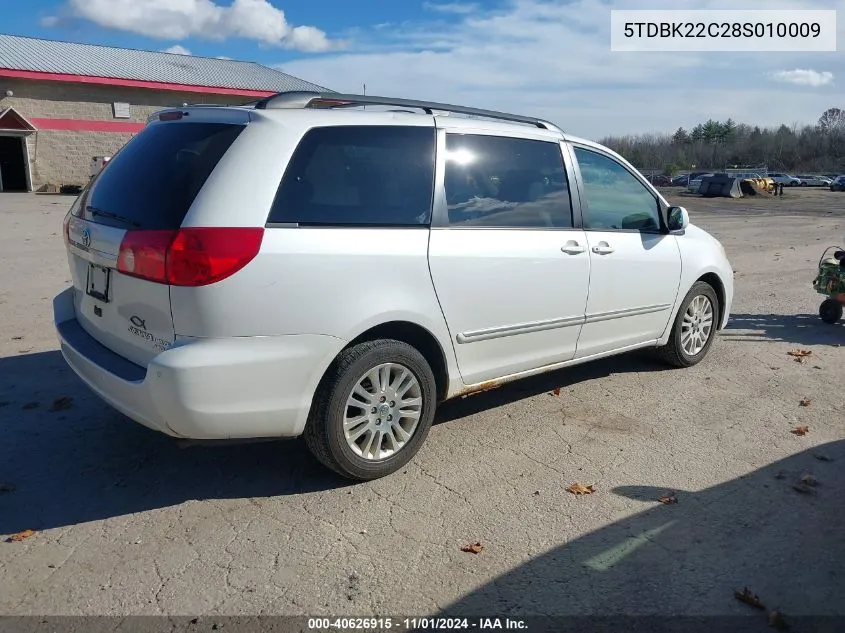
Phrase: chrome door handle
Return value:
(603, 249)
(572, 248)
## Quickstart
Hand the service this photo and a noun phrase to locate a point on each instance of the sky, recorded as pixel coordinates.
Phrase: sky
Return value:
(544, 58)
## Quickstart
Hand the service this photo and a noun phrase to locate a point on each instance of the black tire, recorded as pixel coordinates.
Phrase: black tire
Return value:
(324, 433)
(673, 352)
(830, 311)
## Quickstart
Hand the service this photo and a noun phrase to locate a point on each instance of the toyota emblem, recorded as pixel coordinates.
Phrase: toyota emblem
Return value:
(86, 237)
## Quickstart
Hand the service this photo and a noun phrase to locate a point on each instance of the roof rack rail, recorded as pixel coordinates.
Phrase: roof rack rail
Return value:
(301, 99)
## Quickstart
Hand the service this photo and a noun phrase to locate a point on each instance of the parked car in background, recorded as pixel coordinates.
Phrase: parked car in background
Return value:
(785, 179)
(838, 184)
(680, 181)
(295, 269)
(695, 182)
(814, 181)
(659, 180)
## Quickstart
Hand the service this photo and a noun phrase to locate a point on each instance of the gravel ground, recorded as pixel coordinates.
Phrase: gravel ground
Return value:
(129, 522)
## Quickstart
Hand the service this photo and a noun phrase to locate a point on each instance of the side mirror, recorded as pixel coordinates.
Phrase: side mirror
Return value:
(677, 218)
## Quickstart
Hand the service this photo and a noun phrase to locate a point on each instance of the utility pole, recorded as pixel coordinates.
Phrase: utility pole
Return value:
(365, 90)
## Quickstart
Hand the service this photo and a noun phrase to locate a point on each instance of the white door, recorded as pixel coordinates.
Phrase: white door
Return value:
(635, 268)
(510, 271)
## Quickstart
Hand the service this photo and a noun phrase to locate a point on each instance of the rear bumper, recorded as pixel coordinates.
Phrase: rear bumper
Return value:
(245, 387)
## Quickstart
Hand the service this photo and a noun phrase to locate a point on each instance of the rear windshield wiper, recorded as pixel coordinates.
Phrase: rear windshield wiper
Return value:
(114, 216)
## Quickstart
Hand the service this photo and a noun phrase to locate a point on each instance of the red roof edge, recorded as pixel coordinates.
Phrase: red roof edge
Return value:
(132, 83)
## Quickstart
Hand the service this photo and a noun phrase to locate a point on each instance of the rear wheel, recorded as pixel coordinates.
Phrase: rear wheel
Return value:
(830, 311)
(694, 327)
(373, 410)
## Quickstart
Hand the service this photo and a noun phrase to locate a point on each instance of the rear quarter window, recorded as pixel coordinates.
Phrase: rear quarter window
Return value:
(153, 180)
(358, 175)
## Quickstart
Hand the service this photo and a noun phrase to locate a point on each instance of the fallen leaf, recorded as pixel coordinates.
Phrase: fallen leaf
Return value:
(668, 498)
(17, 338)
(809, 480)
(804, 402)
(822, 457)
(749, 598)
(800, 430)
(7, 487)
(473, 548)
(581, 489)
(776, 621)
(801, 360)
(536, 493)
(556, 391)
(20, 536)
(800, 353)
(61, 404)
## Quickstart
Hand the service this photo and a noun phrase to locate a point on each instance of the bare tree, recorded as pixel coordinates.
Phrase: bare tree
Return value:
(714, 145)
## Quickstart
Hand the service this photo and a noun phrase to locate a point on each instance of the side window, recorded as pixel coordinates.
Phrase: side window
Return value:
(615, 198)
(494, 181)
(359, 175)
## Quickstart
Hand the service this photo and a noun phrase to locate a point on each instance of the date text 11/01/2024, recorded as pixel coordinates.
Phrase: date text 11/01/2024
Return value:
(415, 624)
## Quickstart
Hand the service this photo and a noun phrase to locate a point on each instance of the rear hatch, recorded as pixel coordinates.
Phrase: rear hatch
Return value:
(121, 229)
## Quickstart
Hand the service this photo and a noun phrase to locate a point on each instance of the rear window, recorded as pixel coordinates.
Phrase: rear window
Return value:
(359, 175)
(153, 180)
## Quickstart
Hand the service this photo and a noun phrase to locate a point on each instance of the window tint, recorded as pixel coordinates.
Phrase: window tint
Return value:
(494, 181)
(615, 198)
(153, 180)
(359, 175)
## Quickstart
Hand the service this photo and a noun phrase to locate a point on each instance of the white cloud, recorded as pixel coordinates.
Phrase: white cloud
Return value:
(552, 59)
(256, 20)
(451, 7)
(803, 77)
(49, 21)
(177, 49)
(307, 39)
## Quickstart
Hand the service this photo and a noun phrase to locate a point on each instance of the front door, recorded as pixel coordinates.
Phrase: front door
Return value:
(510, 270)
(635, 267)
(12, 164)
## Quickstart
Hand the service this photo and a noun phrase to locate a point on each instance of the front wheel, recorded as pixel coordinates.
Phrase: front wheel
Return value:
(694, 327)
(372, 410)
(830, 311)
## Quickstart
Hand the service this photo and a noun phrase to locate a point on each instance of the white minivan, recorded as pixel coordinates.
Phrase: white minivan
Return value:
(305, 266)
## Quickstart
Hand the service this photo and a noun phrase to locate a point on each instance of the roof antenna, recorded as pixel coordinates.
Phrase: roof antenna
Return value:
(365, 94)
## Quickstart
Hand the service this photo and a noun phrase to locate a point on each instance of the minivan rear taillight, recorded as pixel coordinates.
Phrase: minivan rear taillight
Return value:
(188, 257)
